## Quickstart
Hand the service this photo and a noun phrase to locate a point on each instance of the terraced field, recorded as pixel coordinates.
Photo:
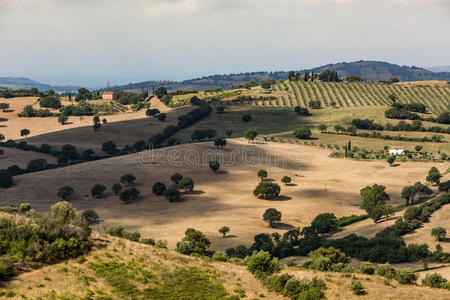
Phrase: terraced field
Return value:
(345, 94)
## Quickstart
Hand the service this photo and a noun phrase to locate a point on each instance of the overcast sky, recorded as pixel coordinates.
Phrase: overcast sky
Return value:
(91, 41)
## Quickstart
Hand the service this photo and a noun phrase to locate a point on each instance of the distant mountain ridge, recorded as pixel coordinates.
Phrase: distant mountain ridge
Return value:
(26, 83)
(439, 69)
(367, 70)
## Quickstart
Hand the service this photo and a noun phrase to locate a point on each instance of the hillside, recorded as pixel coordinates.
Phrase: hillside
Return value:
(368, 70)
(26, 83)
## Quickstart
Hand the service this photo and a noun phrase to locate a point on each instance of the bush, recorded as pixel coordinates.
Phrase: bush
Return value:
(218, 256)
(116, 230)
(405, 276)
(214, 165)
(128, 179)
(434, 280)
(386, 270)
(194, 241)
(367, 268)
(260, 264)
(176, 178)
(187, 184)
(116, 188)
(357, 288)
(286, 180)
(65, 192)
(133, 236)
(303, 111)
(159, 188)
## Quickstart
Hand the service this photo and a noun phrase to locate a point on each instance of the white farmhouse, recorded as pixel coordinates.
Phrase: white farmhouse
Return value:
(396, 150)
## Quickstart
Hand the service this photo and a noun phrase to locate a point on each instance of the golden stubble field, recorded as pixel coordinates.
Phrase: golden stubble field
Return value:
(320, 184)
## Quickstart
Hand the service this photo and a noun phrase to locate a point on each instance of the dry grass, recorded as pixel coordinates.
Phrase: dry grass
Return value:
(320, 184)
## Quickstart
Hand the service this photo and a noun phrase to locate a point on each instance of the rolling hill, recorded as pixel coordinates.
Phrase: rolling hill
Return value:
(368, 70)
(26, 83)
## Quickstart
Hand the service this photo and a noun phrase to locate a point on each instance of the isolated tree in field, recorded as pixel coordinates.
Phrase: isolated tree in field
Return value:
(262, 174)
(224, 230)
(250, 134)
(390, 159)
(6, 179)
(24, 132)
(214, 165)
(129, 195)
(116, 188)
(439, 233)
(272, 216)
(228, 132)
(65, 192)
(220, 142)
(2, 137)
(322, 127)
(302, 133)
(62, 119)
(91, 216)
(186, 184)
(324, 223)
(127, 179)
(4, 106)
(286, 180)
(173, 193)
(176, 178)
(373, 201)
(246, 118)
(98, 190)
(266, 190)
(418, 148)
(159, 188)
(434, 175)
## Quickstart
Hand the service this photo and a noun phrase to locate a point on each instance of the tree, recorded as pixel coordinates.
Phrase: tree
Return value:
(159, 188)
(246, 118)
(220, 142)
(109, 147)
(262, 174)
(152, 112)
(214, 165)
(62, 119)
(390, 159)
(176, 178)
(6, 179)
(418, 148)
(4, 106)
(444, 186)
(373, 201)
(129, 195)
(116, 188)
(24, 132)
(434, 176)
(98, 190)
(439, 233)
(322, 127)
(90, 215)
(104, 121)
(266, 190)
(272, 216)
(96, 126)
(302, 133)
(186, 184)
(224, 230)
(128, 179)
(250, 134)
(161, 92)
(228, 132)
(324, 223)
(286, 180)
(65, 192)
(303, 111)
(408, 193)
(173, 193)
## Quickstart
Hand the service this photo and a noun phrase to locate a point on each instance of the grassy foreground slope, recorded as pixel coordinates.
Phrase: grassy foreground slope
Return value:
(120, 269)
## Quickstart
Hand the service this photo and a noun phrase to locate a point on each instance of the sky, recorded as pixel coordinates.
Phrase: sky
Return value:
(90, 42)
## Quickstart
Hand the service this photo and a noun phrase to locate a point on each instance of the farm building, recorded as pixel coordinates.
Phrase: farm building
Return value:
(396, 150)
(108, 96)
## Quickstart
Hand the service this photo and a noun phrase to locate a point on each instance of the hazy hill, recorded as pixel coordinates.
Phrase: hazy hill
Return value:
(368, 70)
(439, 69)
(26, 83)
